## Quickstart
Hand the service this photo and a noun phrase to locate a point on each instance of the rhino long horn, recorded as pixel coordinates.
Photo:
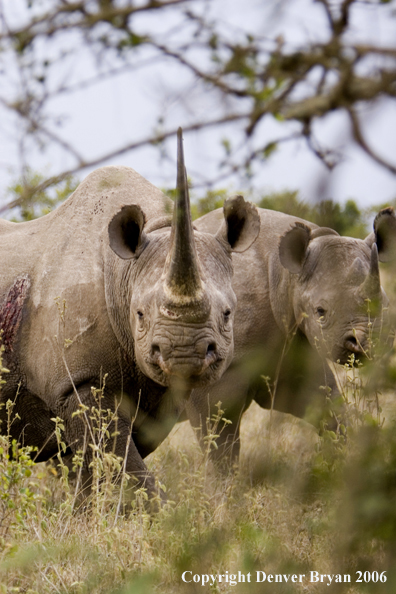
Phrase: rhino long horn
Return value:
(371, 286)
(182, 275)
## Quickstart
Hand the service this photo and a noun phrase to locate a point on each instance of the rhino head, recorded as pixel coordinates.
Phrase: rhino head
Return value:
(180, 301)
(336, 282)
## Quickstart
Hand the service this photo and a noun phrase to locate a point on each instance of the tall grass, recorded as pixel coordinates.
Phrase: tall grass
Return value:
(332, 511)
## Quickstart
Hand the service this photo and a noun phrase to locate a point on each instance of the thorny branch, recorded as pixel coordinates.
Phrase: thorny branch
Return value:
(252, 77)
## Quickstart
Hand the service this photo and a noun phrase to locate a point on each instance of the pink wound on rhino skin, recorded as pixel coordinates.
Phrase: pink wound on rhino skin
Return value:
(11, 311)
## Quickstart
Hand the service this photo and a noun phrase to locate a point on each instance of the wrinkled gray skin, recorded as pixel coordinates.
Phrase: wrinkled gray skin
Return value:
(296, 276)
(111, 253)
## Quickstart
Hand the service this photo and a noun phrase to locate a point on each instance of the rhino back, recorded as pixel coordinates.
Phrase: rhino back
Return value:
(273, 225)
(78, 227)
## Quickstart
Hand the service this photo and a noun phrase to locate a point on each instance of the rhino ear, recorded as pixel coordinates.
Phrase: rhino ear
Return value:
(385, 234)
(241, 224)
(126, 235)
(293, 247)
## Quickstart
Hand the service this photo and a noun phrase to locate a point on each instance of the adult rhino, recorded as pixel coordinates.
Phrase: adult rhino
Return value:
(148, 301)
(298, 280)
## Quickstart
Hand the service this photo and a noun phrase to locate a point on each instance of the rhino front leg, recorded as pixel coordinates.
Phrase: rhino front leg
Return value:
(81, 434)
(30, 424)
(308, 392)
(300, 387)
(231, 394)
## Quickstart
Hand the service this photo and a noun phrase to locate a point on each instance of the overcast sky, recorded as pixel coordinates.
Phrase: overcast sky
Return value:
(124, 109)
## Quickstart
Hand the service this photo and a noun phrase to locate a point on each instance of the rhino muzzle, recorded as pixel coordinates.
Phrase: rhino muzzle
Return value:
(356, 341)
(356, 344)
(187, 363)
(351, 344)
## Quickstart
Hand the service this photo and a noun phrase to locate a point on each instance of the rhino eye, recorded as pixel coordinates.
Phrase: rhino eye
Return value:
(227, 314)
(139, 314)
(320, 311)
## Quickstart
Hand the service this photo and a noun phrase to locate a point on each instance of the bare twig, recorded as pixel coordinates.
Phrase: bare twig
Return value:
(253, 75)
(358, 135)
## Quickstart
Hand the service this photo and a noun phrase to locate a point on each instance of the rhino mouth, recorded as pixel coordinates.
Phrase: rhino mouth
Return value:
(351, 346)
(192, 370)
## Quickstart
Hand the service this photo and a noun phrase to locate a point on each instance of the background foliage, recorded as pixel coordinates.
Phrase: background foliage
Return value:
(258, 89)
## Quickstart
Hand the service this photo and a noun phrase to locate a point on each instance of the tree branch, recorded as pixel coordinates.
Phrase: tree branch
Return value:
(358, 135)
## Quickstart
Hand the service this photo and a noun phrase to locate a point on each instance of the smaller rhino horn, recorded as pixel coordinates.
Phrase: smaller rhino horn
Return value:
(357, 272)
(371, 287)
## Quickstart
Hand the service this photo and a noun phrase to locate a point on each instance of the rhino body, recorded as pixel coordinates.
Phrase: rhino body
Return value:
(93, 289)
(302, 281)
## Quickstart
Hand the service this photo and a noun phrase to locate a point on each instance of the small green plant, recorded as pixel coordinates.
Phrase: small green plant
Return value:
(17, 499)
(33, 199)
(215, 425)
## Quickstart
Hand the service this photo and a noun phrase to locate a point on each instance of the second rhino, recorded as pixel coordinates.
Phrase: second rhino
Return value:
(303, 282)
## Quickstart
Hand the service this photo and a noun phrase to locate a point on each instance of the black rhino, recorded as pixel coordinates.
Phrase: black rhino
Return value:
(148, 301)
(303, 279)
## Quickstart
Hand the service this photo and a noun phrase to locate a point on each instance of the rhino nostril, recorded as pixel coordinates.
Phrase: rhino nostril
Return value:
(211, 348)
(155, 350)
(211, 354)
(353, 345)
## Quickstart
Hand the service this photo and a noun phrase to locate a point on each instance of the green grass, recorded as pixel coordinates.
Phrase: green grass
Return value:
(298, 503)
(286, 512)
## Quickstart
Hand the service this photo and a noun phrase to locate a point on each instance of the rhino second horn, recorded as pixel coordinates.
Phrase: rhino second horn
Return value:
(182, 274)
(371, 287)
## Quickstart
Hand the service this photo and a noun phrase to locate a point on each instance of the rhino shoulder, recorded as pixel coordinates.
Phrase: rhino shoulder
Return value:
(107, 189)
